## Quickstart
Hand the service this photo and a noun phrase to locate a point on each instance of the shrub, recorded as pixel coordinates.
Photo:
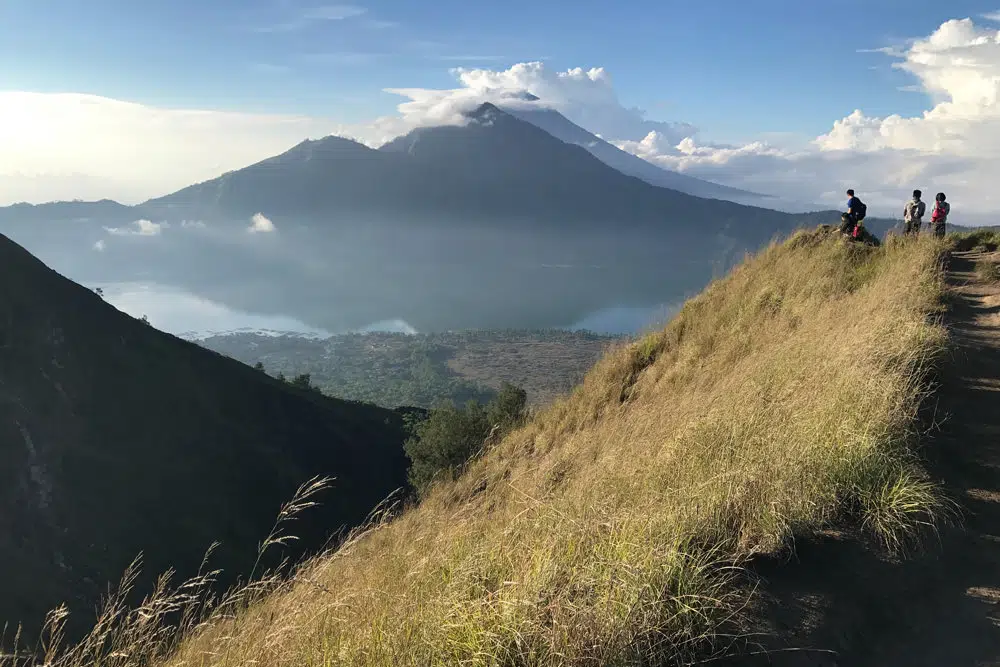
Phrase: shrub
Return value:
(450, 436)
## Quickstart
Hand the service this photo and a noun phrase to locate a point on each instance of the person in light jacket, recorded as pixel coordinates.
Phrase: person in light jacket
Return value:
(913, 213)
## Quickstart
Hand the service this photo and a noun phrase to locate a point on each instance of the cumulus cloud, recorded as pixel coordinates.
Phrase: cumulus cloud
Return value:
(139, 228)
(192, 224)
(585, 96)
(71, 146)
(260, 224)
(953, 146)
(74, 146)
(99, 245)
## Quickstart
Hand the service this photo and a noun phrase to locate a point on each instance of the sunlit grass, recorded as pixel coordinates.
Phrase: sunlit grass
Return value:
(780, 402)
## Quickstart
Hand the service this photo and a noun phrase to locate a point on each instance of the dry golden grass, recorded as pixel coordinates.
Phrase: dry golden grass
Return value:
(779, 402)
(987, 270)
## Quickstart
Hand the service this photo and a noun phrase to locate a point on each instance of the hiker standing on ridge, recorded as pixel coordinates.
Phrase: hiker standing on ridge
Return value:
(913, 213)
(856, 212)
(940, 214)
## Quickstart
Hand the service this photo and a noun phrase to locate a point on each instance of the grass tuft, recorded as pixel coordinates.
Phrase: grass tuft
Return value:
(987, 271)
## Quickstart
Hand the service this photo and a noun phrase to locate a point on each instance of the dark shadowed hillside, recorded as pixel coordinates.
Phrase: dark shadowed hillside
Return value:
(117, 439)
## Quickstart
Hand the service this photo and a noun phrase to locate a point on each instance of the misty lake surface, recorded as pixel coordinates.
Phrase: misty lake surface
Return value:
(179, 312)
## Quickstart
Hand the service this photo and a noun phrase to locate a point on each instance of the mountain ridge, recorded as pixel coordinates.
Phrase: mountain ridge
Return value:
(566, 130)
(467, 171)
(116, 439)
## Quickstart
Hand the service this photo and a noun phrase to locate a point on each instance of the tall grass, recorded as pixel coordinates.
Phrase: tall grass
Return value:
(609, 530)
(987, 270)
(980, 240)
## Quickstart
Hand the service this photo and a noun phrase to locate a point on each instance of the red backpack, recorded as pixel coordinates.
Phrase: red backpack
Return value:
(939, 213)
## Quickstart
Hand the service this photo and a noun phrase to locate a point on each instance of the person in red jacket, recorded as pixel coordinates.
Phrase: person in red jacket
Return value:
(940, 214)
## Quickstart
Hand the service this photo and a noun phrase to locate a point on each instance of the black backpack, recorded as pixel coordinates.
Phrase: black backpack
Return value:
(861, 212)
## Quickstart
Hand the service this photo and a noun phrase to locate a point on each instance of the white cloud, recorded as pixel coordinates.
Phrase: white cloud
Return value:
(585, 96)
(139, 228)
(80, 146)
(192, 224)
(71, 146)
(953, 146)
(260, 224)
(99, 245)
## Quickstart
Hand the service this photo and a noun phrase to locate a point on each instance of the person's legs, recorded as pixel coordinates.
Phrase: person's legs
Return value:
(847, 224)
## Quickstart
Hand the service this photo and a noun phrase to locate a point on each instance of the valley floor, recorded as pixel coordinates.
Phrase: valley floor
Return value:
(837, 603)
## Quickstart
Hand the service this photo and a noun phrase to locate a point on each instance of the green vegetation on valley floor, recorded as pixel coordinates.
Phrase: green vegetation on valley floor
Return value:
(423, 370)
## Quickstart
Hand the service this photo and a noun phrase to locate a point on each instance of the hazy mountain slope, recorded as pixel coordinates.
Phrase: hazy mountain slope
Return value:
(320, 177)
(566, 130)
(496, 168)
(116, 438)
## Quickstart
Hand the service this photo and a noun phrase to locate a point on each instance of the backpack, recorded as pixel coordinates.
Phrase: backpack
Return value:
(861, 212)
(939, 213)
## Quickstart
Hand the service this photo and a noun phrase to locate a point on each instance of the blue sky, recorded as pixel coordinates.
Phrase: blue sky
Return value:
(736, 69)
(784, 97)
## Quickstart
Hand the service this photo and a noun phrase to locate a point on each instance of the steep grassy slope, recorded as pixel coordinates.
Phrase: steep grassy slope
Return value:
(117, 439)
(778, 403)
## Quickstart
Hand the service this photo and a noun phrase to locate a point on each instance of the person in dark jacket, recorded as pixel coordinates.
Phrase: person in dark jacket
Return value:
(855, 213)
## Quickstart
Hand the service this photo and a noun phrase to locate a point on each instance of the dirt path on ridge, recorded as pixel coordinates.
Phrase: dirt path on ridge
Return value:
(835, 603)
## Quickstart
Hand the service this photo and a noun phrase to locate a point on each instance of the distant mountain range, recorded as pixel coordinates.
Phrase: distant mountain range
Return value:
(497, 223)
(116, 439)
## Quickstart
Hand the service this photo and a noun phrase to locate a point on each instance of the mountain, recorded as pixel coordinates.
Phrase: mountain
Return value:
(495, 168)
(566, 130)
(494, 224)
(116, 439)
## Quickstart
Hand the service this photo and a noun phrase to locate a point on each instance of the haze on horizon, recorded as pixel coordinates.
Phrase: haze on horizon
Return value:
(82, 117)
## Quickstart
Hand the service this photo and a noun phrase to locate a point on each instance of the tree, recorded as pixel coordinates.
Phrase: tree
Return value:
(508, 409)
(259, 366)
(99, 291)
(442, 444)
(304, 381)
(145, 319)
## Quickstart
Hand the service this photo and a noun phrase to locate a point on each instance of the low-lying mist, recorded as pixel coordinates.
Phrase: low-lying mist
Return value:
(317, 279)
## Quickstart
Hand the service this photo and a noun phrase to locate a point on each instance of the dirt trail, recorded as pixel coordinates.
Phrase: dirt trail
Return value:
(837, 603)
